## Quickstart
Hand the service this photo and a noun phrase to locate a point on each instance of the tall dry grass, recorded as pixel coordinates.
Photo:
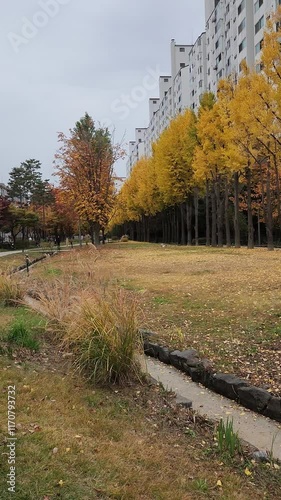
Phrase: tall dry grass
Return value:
(96, 323)
(11, 291)
(102, 333)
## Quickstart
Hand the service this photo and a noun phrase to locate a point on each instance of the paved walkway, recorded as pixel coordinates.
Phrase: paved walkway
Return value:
(259, 431)
(10, 252)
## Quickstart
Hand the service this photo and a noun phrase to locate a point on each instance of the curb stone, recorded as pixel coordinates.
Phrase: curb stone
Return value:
(226, 384)
(38, 259)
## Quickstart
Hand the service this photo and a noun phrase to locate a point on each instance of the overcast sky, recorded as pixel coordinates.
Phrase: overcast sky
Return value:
(60, 58)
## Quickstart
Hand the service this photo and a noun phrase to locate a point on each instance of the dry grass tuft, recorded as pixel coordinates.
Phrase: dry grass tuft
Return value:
(11, 291)
(101, 330)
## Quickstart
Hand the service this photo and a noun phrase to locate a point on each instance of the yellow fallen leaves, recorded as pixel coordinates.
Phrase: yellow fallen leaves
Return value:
(219, 483)
(61, 483)
(248, 472)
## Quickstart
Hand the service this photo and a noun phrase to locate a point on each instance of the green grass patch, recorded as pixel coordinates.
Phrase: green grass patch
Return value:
(53, 271)
(21, 327)
(20, 335)
(159, 301)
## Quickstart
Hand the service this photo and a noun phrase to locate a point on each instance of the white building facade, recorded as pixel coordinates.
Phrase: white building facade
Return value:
(234, 33)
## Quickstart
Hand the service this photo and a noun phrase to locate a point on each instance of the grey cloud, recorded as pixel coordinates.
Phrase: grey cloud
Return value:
(85, 58)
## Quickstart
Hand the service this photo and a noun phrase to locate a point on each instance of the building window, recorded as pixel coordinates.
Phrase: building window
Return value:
(182, 49)
(258, 5)
(258, 47)
(166, 80)
(241, 26)
(241, 7)
(259, 25)
(182, 65)
(218, 59)
(242, 45)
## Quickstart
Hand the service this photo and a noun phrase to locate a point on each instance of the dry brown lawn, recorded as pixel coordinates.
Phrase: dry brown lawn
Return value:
(78, 441)
(224, 302)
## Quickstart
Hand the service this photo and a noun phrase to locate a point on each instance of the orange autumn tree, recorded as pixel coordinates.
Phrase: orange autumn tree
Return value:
(84, 164)
(61, 217)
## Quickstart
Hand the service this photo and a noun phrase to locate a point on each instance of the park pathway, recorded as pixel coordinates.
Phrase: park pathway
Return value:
(261, 432)
(10, 252)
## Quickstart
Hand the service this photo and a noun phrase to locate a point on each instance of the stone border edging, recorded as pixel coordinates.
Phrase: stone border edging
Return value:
(226, 384)
(38, 259)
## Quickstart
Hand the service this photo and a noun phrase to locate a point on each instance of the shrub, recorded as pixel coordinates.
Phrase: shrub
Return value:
(11, 293)
(103, 336)
(124, 238)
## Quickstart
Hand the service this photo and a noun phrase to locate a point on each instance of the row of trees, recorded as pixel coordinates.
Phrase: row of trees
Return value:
(217, 173)
(33, 207)
(85, 195)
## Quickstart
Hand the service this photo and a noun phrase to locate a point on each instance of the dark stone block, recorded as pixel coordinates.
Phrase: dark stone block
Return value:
(185, 359)
(254, 398)
(273, 409)
(164, 355)
(151, 349)
(185, 403)
(196, 374)
(201, 376)
(207, 365)
(227, 384)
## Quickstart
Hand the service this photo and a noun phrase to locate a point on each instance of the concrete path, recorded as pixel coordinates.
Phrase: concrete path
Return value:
(10, 252)
(259, 431)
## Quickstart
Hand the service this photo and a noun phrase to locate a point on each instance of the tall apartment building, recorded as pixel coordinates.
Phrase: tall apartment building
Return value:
(234, 33)
(177, 92)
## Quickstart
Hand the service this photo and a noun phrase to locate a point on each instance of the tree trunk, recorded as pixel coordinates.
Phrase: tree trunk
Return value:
(196, 228)
(249, 208)
(277, 190)
(226, 215)
(219, 213)
(207, 214)
(188, 221)
(236, 211)
(148, 230)
(214, 217)
(183, 232)
(269, 219)
(96, 234)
